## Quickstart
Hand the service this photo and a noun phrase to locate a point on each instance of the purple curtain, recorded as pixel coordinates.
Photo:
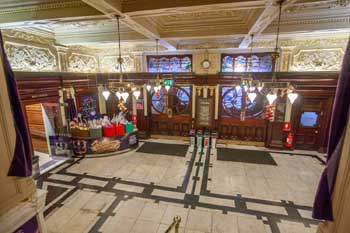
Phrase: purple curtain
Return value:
(21, 164)
(72, 111)
(323, 202)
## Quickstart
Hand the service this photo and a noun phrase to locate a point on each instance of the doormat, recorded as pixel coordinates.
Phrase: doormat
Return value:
(245, 156)
(164, 149)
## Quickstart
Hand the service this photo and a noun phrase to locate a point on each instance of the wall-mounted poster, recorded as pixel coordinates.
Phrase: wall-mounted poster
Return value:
(61, 145)
(204, 112)
(280, 112)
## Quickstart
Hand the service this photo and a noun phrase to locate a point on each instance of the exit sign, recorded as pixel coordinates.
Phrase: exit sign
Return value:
(168, 82)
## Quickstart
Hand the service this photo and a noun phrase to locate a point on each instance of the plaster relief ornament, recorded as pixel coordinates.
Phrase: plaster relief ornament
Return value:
(23, 57)
(317, 60)
(82, 63)
(110, 64)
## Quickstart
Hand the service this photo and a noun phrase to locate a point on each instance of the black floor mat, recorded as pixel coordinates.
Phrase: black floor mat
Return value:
(245, 156)
(164, 149)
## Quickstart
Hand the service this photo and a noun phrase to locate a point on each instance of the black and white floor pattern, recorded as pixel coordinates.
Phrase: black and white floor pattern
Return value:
(138, 192)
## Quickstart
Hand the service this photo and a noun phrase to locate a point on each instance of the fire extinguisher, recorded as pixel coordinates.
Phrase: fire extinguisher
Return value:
(289, 140)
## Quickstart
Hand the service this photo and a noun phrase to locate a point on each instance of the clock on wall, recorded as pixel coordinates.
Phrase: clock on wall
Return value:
(205, 64)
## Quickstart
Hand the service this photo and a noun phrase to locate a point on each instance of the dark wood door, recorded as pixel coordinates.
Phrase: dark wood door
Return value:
(171, 111)
(312, 119)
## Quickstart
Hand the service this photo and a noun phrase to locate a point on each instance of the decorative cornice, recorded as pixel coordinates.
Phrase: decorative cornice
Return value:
(323, 42)
(316, 21)
(43, 6)
(208, 45)
(25, 36)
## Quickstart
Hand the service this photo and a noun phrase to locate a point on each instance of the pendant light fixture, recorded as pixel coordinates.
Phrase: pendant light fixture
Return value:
(125, 93)
(238, 88)
(271, 97)
(148, 87)
(292, 97)
(119, 95)
(106, 93)
(252, 96)
(125, 96)
(167, 87)
(137, 94)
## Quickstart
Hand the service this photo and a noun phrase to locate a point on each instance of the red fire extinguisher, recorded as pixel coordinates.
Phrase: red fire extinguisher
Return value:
(289, 140)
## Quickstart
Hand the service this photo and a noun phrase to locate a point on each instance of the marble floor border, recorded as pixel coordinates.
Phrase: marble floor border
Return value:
(198, 165)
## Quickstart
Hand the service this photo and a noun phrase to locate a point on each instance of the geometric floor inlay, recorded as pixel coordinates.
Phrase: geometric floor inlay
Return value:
(135, 192)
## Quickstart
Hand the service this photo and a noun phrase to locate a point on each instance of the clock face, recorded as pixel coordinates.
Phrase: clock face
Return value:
(205, 64)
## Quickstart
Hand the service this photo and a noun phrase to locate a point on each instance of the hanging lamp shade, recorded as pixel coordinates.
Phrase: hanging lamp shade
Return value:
(252, 96)
(137, 94)
(271, 97)
(238, 88)
(148, 87)
(119, 95)
(156, 88)
(251, 89)
(260, 88)
(106, 94)
(167, 87)
(125, 96)
(292, 97)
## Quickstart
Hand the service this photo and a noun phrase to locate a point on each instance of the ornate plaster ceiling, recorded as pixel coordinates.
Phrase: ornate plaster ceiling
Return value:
(178, 24)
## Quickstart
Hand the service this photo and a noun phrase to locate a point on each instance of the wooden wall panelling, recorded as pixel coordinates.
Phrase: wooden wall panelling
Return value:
(252, 129)
(316, 84)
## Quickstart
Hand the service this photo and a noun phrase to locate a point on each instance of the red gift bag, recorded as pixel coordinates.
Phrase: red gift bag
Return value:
(120, 130)
(109, 131)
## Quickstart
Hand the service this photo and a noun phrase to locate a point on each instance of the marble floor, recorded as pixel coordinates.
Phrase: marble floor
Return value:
(47, 162)
(139, 192)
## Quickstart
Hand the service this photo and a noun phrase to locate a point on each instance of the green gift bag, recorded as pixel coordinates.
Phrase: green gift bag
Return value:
(129, 127)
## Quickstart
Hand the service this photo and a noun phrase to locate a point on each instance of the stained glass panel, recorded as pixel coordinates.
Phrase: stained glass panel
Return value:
(240, 64)
(158, 102)
(262, 62)
(181, 100)
(186, 65)
(227, 64)
(152, 65)
(164, 64)
(266, 64)
(253, 64)
(177, 63)
(231, 101)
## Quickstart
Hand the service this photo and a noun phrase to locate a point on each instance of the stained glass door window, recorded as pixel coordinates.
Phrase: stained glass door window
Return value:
(234, 100)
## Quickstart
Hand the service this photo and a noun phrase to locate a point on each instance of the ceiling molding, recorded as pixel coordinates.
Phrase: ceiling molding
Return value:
(111, 10)
(160, 7)
(46, 11)
(269, 14)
